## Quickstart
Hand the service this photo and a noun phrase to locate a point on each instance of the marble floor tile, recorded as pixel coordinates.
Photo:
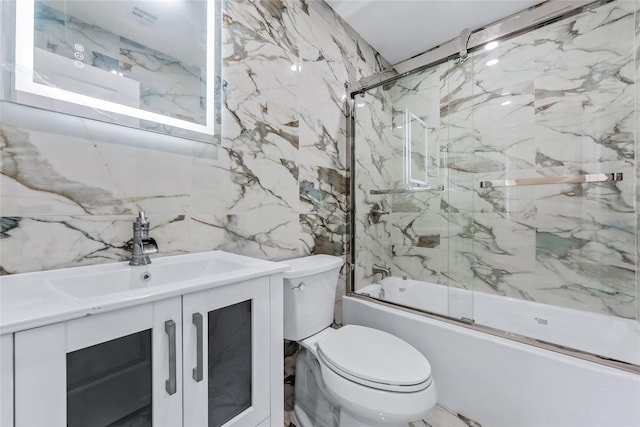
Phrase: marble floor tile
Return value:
(438, 417)
(442, 417)
(290, 419)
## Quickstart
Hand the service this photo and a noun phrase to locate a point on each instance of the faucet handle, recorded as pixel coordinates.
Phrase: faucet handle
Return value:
(141, 218)
(143, 245)
(141, 224)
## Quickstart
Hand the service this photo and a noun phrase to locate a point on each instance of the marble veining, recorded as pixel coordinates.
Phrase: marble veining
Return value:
(437, 417)
(274, 189)
(561, 100)
(168, 85)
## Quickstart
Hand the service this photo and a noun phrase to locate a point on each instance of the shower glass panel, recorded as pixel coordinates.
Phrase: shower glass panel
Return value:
(405, 135)
(555, 260)
(458, 141)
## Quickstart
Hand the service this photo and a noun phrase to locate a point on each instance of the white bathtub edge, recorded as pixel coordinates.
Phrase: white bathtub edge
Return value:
(499, 382)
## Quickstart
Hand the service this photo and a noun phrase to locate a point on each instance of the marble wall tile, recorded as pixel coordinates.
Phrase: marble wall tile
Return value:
(323, 138)
(321, 236)
(324, 45)
(95, 239)
(275, 189)
(34, 243)
(259, 48)
(323, 191)
(637, 158)
(560, 101)
(269, 234)
(49, 174)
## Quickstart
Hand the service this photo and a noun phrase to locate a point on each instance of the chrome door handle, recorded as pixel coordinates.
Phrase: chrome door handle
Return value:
(170, 329)
(197, 371)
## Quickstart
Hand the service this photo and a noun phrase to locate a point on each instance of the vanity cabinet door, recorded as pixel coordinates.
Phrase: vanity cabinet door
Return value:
(120, 368)
(227, 355)
(6, 380)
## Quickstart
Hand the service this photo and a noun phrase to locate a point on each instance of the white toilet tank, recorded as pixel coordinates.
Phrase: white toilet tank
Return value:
(309, 294)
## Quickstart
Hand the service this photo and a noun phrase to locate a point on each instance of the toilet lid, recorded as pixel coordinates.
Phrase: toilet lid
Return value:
(374, 358)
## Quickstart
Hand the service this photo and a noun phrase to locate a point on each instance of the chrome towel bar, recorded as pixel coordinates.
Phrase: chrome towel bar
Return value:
(590, 177)
(407, 190)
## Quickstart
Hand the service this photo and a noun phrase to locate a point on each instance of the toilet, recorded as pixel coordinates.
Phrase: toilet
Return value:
(353, 376)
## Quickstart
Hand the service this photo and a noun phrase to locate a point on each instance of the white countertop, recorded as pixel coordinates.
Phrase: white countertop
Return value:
(30, 300)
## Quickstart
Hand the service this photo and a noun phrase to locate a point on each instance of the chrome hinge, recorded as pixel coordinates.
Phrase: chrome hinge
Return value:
(348, 101)
(349, 267)
(349, 110)
(467, 320)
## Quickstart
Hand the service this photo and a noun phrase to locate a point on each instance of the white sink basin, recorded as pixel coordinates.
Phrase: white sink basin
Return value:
(33, 299)
(16, 295)
(130, 278)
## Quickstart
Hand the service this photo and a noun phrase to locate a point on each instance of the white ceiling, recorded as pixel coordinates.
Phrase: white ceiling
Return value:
(401, 29)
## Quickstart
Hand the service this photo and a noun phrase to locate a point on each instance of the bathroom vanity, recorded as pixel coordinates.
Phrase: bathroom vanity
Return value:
(188, 340)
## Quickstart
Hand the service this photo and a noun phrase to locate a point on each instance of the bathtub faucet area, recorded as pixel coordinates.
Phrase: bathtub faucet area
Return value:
(382, 270)
(142, 244)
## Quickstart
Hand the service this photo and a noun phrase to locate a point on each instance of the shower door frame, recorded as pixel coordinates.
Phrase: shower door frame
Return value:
(530, 19)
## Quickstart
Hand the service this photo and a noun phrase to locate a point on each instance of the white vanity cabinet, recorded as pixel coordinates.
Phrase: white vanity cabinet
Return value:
(6, 380)
(115, 367)
(204, 358)
(226, 355)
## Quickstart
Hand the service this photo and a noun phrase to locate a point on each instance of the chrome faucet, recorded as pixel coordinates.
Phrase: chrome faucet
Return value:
(143, 245)
(383, 271)
(376, 212)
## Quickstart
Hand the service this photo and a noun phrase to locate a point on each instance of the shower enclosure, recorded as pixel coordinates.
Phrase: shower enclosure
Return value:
(508, 174)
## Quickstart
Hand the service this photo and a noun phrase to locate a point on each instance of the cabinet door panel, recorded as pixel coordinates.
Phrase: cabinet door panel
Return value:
(99, 370)
(234, 389)
(40, 377)
(92, 330)
(110, 383)
(229, 362)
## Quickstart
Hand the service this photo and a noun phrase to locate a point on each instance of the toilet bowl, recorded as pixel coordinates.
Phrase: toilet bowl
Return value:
(352, 376)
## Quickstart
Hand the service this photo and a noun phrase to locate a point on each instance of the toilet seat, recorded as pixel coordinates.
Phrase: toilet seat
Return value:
(374, 359)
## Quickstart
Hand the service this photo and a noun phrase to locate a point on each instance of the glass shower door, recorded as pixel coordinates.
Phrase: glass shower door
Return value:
(533, 140)
(412, 212)
(459, 163)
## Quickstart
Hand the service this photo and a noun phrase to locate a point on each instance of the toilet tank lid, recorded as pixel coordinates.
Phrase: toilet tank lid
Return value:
(313, 264)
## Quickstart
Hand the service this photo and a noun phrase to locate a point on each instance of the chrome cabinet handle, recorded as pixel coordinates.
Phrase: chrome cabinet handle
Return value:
(170, 329)
(197, 371)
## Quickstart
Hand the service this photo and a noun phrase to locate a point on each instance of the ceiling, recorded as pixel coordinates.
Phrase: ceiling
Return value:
(401, 29)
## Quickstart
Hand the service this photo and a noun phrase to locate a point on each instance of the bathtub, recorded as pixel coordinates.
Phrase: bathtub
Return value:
(504, 383)
(612, 337)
